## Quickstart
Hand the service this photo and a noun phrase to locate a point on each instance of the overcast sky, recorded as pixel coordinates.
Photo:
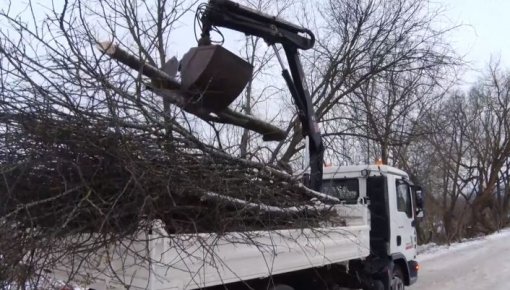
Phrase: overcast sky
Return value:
(485, 30)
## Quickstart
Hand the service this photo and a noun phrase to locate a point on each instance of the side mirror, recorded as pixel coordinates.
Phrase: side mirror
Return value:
(418, 197)
(419, 213)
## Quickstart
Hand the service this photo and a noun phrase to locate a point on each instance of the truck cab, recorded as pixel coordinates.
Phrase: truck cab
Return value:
(394, 204)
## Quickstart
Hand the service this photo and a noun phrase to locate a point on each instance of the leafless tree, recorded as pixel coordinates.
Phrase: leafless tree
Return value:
(361, 42)
(463, 159)
(489, 135)
(445, 174)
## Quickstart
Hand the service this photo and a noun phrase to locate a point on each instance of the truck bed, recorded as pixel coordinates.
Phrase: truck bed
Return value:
(202, 260)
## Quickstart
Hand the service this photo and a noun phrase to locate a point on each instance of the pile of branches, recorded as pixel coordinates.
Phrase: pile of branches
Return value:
(93, 153)
(72, 187)
(62, 174)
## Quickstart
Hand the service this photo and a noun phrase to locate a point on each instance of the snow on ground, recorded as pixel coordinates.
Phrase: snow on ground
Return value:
(481, 263)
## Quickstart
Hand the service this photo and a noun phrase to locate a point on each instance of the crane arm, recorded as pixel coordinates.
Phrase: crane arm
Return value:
(228, 14)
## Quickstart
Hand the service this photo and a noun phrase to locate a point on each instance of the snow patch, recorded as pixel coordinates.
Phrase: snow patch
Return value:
(475, 264)
(432, 250)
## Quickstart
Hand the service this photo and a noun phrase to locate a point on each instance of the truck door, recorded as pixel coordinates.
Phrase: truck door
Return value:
(403, 237)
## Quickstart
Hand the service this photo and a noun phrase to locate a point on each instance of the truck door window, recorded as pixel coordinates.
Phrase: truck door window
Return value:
(404, 202)
(344, 189)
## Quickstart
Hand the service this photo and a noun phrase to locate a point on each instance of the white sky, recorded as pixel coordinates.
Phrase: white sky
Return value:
(485, 31)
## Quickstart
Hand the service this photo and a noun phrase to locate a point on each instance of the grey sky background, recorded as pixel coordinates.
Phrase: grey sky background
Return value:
(484, 31)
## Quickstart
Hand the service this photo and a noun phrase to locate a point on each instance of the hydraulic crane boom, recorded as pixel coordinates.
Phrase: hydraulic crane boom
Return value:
(228, 14)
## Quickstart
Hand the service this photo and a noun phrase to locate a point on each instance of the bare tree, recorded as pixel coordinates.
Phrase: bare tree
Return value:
(489, 135)
(446, 176)
(463, 159)
(361, 41)
(387, 110)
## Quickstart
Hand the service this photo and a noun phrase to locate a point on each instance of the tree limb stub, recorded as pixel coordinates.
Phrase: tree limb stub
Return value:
(170, 89)
(310, 210)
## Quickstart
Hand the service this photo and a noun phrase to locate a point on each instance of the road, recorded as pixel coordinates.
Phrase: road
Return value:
(479, 264)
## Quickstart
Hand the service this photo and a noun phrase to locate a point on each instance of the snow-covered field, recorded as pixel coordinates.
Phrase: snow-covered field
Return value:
(482, 263)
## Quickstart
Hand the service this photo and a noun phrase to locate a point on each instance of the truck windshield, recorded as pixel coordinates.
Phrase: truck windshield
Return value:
(343, 189)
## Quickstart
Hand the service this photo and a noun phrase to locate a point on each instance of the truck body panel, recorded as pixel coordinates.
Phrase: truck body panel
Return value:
(375, 223)
(203, 260)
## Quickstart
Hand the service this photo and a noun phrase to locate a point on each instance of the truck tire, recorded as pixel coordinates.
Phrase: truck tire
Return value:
(397, 281)
(281, 287)
(377, 285)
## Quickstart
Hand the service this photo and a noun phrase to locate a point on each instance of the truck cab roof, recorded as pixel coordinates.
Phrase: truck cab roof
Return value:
(352, 171)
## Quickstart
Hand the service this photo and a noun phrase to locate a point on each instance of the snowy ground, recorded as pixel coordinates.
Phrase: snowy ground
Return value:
(477, 264)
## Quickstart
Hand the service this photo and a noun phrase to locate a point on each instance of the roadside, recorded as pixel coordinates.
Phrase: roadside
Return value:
(481, 263)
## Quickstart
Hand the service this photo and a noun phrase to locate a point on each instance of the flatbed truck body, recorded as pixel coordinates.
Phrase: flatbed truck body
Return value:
(372, 235)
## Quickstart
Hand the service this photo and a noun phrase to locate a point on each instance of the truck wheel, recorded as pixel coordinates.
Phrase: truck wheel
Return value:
(377, 285)
(397, 281)
(281, 287)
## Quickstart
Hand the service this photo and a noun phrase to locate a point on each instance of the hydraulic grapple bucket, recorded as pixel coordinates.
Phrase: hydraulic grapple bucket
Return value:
(214, 76)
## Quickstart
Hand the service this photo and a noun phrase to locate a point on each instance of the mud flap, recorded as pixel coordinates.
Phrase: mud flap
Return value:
(381, 278)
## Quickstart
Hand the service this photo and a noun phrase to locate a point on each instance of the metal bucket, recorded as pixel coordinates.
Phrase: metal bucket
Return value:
(213, 76)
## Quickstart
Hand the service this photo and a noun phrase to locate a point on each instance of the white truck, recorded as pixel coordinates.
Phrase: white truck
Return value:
(371, 243)
(373, 248)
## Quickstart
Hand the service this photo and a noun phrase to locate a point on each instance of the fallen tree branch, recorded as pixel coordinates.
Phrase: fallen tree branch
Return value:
(268, 208)
(279, 173)
(170, 89)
